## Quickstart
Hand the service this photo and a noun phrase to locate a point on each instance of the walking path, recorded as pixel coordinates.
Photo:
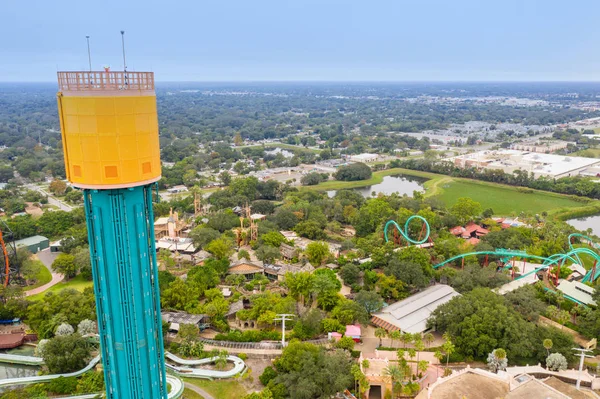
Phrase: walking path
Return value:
(47, 257)
(198, 390)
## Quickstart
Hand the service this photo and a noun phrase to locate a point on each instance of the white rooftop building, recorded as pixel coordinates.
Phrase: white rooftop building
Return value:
(411, 314)
(578, 291)
(550, 165)
(365, 157)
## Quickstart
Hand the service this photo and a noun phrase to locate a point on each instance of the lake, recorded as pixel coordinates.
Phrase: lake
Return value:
(401, 184)
(585, 223)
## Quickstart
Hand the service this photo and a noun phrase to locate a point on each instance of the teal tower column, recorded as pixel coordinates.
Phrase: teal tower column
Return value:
(109, 129)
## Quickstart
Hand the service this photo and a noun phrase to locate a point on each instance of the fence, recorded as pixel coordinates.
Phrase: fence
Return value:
(257, 345)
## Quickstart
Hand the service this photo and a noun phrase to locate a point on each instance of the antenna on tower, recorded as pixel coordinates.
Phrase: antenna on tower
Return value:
(124, 62)
(123, 45)
(87, 37)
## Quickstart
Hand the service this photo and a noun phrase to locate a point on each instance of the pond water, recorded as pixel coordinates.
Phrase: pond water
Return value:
(401, 184)
(589, 222)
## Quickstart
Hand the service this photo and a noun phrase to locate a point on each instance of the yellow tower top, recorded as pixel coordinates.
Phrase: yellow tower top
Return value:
(109, 128)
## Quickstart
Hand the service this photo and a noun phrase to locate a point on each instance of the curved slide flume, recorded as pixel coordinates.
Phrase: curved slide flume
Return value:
(184, 369)
(404, 232)
(175, 383)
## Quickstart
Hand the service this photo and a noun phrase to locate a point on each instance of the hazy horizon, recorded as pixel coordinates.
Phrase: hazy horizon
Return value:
(308, 41)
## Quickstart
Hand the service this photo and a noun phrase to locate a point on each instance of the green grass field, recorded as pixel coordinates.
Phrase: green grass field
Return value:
(502, 199)
(76, 283)
(219, 389)
(43, 277)
(189, 394)
(589, 153)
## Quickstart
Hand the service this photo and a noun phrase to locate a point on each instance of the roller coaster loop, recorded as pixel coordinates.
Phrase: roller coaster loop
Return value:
(404, 232)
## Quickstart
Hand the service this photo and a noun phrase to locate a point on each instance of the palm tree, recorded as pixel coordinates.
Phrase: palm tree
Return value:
(439, 356)
(394, 374)
(406, 338)
(448, 347)
(560, 299)
(428, 338)
(380, 333)
(419, 346)
(395, 335)
(548, 345)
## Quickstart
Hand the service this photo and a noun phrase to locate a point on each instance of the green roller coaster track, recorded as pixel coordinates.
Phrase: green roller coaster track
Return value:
(547, 262)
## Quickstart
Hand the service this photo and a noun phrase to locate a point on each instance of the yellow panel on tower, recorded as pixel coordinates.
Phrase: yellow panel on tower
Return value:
(109, 128)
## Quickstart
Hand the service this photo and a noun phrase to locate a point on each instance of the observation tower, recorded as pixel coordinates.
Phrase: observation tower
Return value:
(109, 131)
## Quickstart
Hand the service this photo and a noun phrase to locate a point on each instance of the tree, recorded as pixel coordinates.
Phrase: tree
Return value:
(353, 172)
(346, 343)
(317, 252)
(74, 197)
(58, 187)
(285, 219)
(380, 333)
(548, 345)
(350, 274)
(64, 329)
(188, 332)
(267, 253)
(448, 347)
(497, 360)
(465, 209)
(428, 338)
(6, 173)
(221, 248)
(268, 374)
(30, 270)
(64, 354)
(370, 300)
(308, 371)
(311, 179)
(310, 229)
(65, 264)
(201, 236)
(243, 254)
(395, 375)
(299, 285)
(179, 295)
(86, 327)
(556, 362)
(350, 312)
(81, 258)
(272, 238)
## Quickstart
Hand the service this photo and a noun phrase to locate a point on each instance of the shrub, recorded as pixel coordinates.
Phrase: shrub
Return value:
(242, 356)
(268, 374)
(556, 362)
(63, 385)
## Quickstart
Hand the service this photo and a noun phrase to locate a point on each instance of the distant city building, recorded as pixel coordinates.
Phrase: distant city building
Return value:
(548, 165)
(365, 157)
(544, 147)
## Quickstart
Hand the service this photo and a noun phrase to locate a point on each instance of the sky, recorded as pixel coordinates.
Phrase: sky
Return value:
(306, 40)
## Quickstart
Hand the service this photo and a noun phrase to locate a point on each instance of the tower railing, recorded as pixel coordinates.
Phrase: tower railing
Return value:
(103, 80)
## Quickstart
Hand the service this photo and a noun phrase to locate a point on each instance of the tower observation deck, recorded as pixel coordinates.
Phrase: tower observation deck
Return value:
(109, 129)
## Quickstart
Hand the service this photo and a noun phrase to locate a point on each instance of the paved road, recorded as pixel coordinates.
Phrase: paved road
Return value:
(47, 258)
(51, 200)
(199, 391)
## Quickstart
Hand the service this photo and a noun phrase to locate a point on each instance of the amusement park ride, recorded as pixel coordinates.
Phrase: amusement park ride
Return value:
(109, 129)
(506, 256)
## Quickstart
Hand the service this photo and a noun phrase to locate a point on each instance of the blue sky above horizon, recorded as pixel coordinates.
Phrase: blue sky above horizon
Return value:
(307, 40)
